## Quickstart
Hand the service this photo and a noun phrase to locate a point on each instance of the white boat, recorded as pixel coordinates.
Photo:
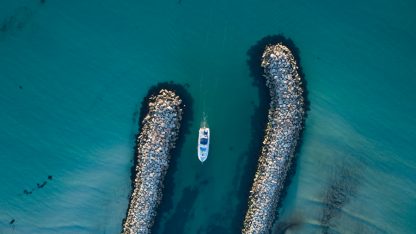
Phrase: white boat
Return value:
(203, 144)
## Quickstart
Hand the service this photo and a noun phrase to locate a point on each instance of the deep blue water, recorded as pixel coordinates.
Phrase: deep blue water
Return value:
(74, 74)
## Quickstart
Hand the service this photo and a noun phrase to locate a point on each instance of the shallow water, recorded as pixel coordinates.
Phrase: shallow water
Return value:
(74, 75)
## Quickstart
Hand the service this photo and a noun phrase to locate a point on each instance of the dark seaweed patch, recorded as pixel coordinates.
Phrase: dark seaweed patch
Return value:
(41, 185)
(38, 186)
(17, 21)
(342, 186)
(27, 192)
(12, 224)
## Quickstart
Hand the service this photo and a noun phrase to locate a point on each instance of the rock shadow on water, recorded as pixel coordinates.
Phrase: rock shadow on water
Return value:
(17, 21)
(258, 125)
(177, 221)
(187, 117)
(215, 226)
(290, 224)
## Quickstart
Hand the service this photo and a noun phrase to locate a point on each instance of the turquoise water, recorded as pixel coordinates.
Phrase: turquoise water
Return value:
(74, 74)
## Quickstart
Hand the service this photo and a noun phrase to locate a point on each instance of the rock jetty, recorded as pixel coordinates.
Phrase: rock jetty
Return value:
(159, 131)
(285, 122)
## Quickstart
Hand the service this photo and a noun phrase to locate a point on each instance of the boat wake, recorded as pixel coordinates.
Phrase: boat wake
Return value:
(204, 122)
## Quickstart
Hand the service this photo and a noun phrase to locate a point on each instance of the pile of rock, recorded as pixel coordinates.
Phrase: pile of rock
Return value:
(157, 138)
(285, 121)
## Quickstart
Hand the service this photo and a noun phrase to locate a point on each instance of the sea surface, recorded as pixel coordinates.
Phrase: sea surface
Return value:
(74, 74)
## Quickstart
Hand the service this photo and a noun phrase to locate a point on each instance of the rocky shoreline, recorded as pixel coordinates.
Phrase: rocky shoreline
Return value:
(285, 122)
(158, 135)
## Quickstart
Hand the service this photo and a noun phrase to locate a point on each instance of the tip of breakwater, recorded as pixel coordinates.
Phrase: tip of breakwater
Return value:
(187, 116)
(259, 120)
(256, 72)
(255, 53)
(281, 72)
(186, 105)
(166, 203)
(179, 89)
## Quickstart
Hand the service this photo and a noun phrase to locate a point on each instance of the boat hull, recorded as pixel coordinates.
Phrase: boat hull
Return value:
(203, 144)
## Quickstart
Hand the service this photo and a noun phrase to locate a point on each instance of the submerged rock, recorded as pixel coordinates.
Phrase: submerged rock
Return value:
(285, 122)
(157, 138)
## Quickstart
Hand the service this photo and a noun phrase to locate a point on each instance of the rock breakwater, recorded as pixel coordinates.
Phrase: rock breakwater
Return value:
(285, 122)
(159, 132)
